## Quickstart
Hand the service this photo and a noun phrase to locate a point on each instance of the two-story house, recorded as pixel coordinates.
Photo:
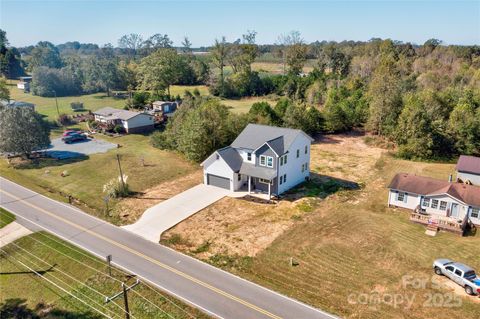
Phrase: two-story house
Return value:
(262, 158)
(449, 205)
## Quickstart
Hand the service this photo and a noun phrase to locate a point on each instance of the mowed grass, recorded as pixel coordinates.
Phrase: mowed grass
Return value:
(244, 105)
(5, 218)
(79, 273)
(353, 247)
(86, 176)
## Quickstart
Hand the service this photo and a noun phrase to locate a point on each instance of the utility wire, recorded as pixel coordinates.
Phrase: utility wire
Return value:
(56, 285)
(72, 288)
(105, 274)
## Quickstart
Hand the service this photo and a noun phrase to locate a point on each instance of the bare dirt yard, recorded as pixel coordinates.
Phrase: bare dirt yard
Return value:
(242, 227)
(131, 208)
(336, 247)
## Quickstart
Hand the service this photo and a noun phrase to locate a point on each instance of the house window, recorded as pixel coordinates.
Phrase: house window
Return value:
(303, 168)
(306, 166)
(434, 203)
(239, 177)
(284, 178)
(266, 161)
(269, 161)
(281, 180)
(263, 160)
(249, 156)
(400, 197)
(306, 149)
(218, 157)
(285, 159)
(426, 202)
(281, 161)
(443, 205)
(475, 212)
(264, 181)
(298, 153)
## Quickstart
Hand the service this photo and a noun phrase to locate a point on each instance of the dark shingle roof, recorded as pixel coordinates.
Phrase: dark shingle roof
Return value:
(231, 157)
(421, 185)
(469, 164)
(257, 171)
(255, 135)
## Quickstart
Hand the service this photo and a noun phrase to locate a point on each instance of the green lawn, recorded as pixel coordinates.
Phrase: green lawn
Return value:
(243, 105)
(5, 217)
(81, 274)
(86, 177)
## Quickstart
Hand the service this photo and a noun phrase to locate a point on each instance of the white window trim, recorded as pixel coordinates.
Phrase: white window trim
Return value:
(263, 159)
(477, 212)
(437, 202)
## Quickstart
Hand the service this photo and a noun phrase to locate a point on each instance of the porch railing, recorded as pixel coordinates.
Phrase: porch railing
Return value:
(441, 222)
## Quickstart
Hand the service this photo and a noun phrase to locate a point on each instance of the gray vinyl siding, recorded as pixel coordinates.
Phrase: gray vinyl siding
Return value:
(267, 151)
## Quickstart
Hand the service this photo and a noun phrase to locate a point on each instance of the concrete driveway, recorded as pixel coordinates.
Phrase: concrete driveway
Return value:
(167, 214)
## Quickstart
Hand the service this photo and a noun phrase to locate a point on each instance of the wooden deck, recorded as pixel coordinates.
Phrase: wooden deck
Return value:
(444, 223)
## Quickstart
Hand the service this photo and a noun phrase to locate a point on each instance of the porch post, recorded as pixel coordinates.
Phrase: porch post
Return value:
(269, 194)
(249, 183)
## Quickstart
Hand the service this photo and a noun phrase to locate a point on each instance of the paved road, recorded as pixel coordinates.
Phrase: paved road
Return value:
(212, 290)
(172, 211)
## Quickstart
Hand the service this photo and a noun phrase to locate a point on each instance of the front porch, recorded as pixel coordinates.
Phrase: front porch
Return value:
(440, 222)
(261, 187)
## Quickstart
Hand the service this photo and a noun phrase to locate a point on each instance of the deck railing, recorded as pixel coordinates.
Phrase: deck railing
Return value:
(441, 222)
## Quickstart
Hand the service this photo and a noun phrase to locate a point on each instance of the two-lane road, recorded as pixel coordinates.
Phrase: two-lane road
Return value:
(212, 290)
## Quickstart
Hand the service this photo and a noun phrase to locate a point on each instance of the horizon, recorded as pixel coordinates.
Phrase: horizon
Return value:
(452, 22)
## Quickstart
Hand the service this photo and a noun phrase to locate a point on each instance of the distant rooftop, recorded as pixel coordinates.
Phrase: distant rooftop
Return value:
(469, 164)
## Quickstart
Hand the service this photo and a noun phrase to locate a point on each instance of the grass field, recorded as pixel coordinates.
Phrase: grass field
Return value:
(86, 177)
(22, 293)
(349, 244)
(243, 105)
(5, 217)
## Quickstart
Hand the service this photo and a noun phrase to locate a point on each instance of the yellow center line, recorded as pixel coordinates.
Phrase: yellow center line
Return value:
(150, 259)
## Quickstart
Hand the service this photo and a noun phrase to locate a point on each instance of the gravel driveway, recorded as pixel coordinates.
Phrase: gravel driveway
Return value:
(58, 149)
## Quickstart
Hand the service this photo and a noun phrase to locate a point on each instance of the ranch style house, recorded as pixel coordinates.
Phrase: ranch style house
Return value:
(445, 204)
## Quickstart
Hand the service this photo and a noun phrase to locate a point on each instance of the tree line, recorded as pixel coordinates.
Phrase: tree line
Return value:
(424, 98)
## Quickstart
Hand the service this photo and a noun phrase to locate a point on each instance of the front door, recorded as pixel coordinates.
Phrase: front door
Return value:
(454, 210)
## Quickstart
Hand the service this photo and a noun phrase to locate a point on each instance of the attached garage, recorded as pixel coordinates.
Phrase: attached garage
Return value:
(218, 181)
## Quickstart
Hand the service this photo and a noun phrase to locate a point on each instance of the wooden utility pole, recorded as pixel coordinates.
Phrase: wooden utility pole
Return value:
(121, 173)
(124, 292)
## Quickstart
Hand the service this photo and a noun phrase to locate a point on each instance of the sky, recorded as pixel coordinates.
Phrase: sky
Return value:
(105, 21)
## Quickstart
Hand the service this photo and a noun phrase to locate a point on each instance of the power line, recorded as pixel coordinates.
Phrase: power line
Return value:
(120, 270)
(56, 285)
(72, 288)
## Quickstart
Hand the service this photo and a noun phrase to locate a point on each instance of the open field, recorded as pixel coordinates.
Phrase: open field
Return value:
(82, 275)
(243, 105)
(275, 67)
(86, 176)
(348, 245)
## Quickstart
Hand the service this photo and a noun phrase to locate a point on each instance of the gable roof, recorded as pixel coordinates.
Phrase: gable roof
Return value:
(231, 157)
(468, 164)
(421, 185)
(112, 113)
(255, 135)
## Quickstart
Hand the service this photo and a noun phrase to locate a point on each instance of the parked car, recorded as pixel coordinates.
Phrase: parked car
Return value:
(459, 273)
(76, 137)
(70, 132)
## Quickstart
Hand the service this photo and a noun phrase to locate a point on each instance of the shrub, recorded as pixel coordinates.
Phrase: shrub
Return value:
(119, 129)
(65, 120)
(115, 188)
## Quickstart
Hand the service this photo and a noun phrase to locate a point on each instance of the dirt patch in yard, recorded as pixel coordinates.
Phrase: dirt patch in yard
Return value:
(235, 226)
(130, 209)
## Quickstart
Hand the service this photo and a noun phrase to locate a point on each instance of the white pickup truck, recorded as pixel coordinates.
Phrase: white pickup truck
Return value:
(459, 273)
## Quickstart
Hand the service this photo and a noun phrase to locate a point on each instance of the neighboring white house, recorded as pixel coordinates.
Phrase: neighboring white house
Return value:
(17, 104)
(262, 158)
(167, 108)
(436, 198)
(24, 83)
(468, 169)
(132, 122)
